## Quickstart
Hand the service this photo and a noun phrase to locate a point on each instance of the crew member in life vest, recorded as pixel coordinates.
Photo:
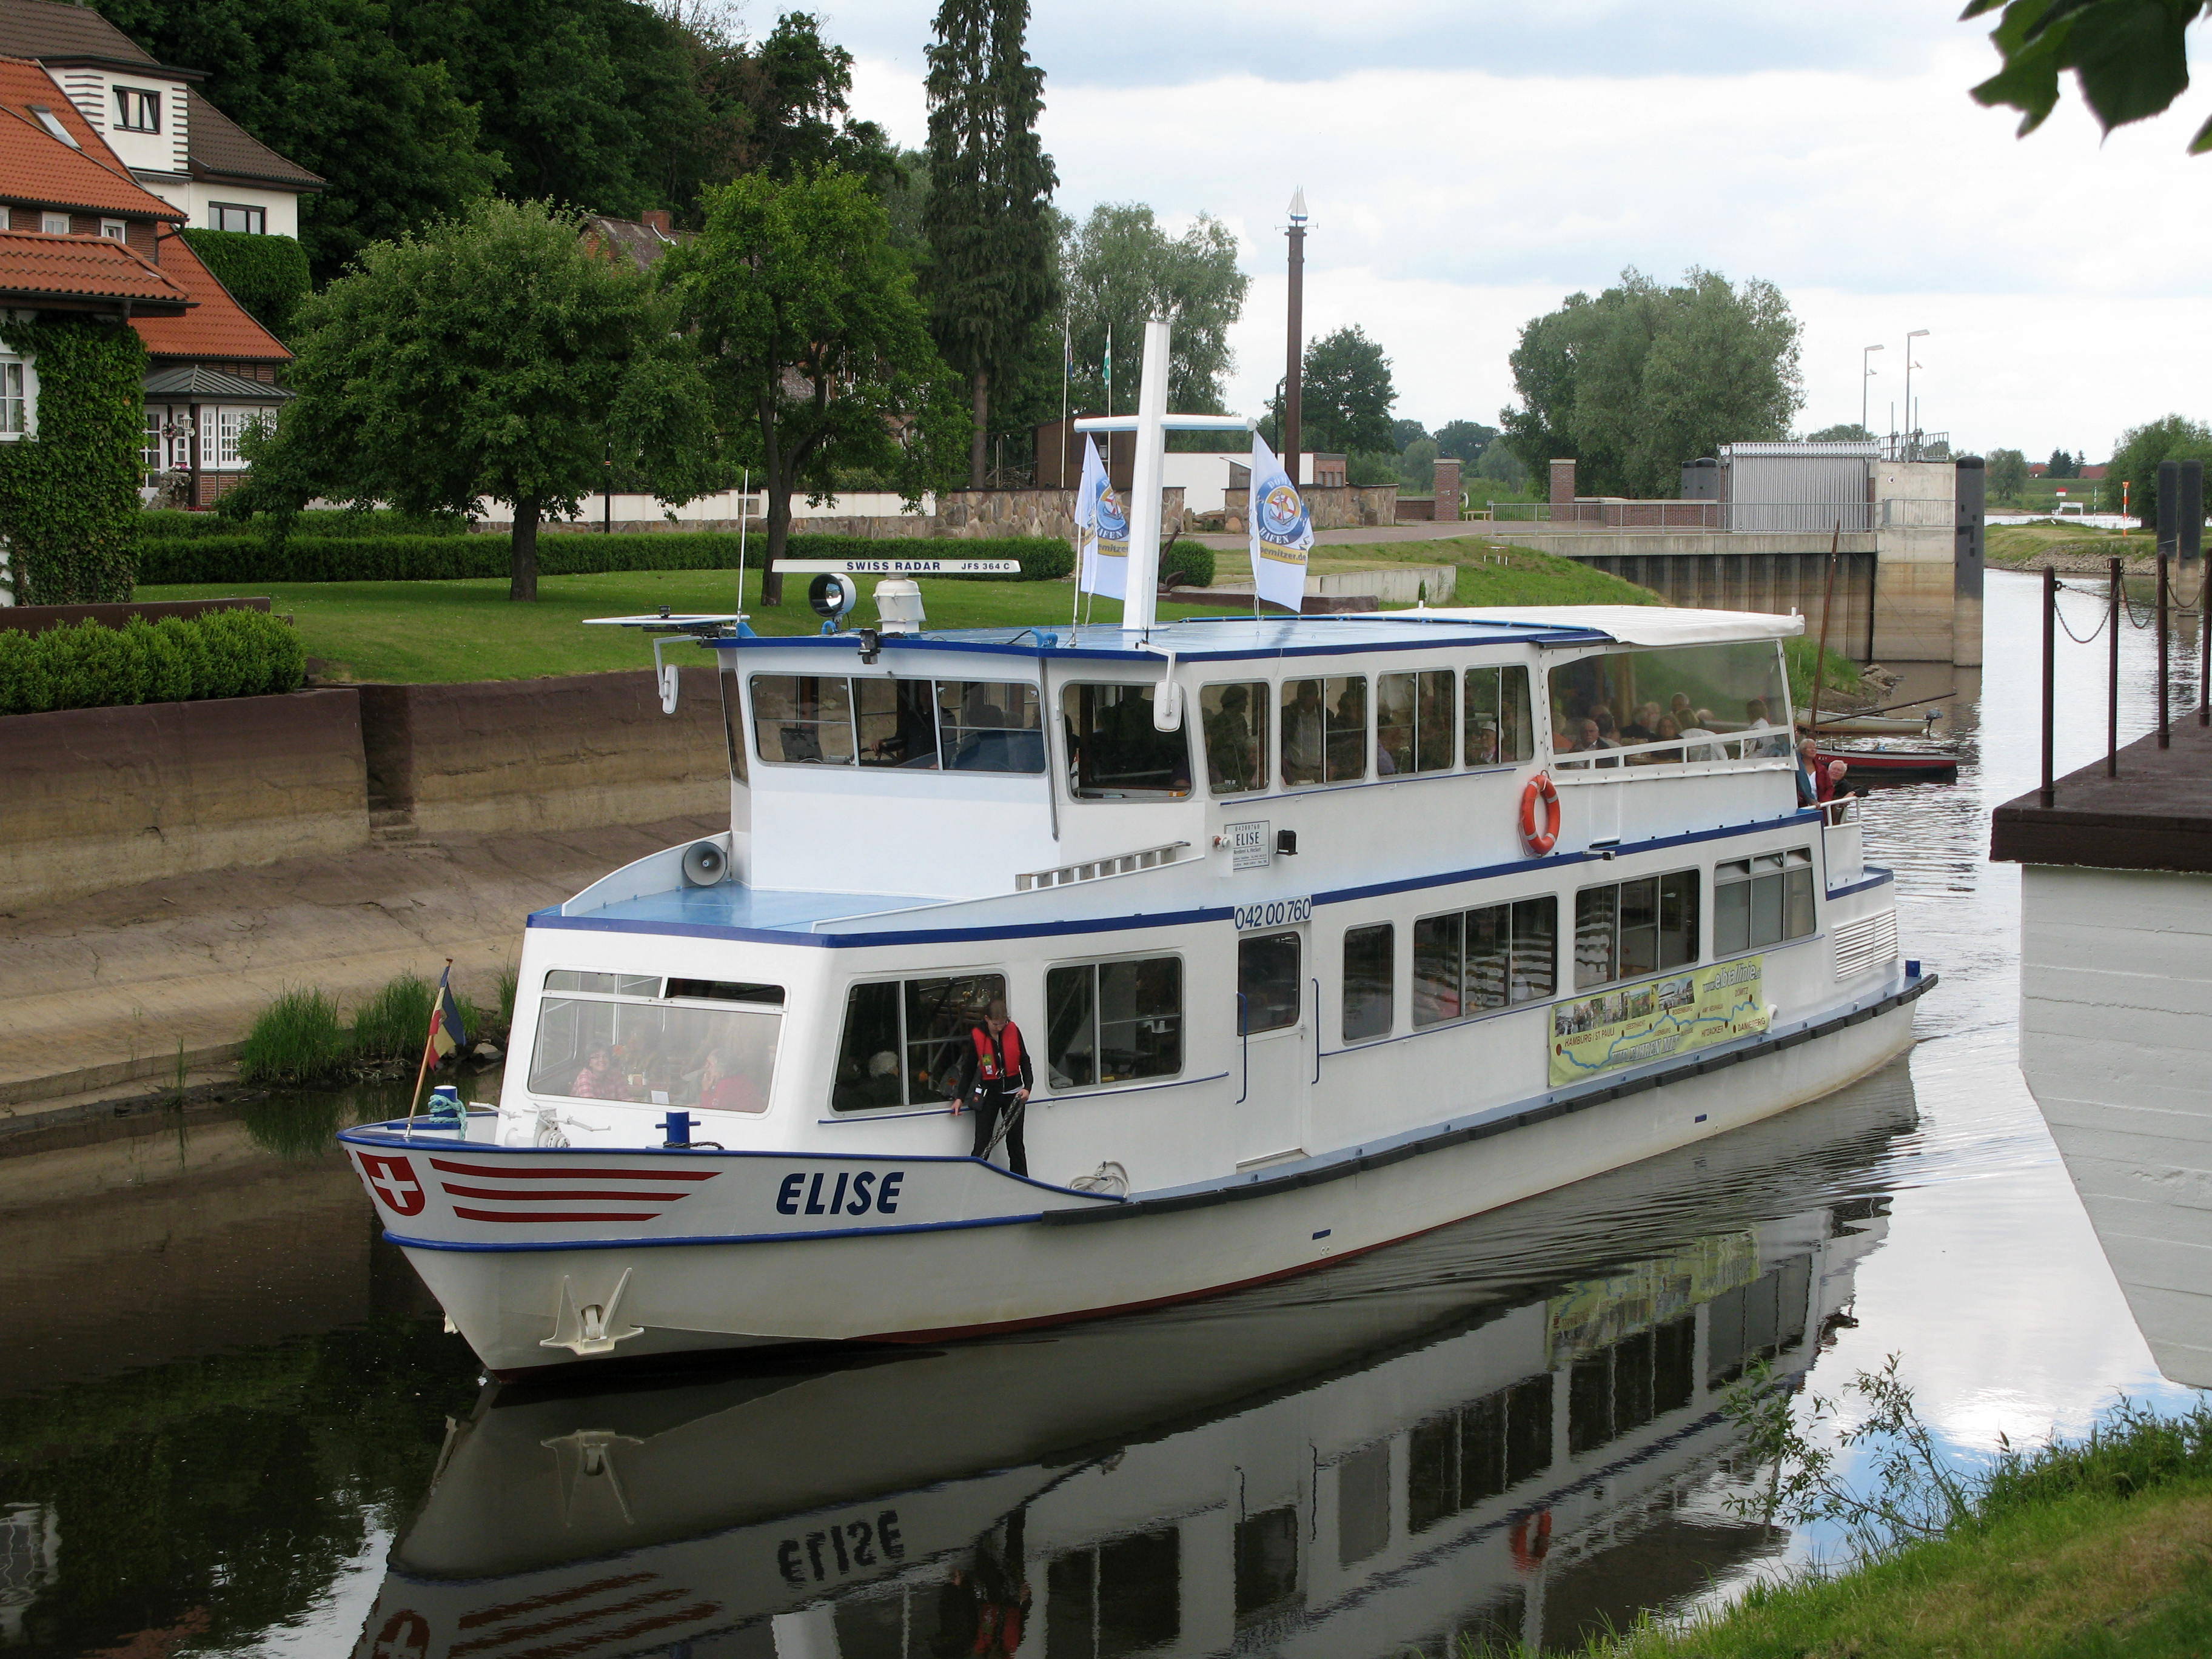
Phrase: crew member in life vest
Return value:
(993, 1078)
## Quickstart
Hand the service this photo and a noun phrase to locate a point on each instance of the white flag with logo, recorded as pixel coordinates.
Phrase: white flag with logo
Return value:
(1102, 527)
(1282, 530)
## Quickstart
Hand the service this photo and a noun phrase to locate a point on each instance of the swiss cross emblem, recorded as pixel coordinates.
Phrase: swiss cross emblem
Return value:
(392, 1179)
(406, 1634)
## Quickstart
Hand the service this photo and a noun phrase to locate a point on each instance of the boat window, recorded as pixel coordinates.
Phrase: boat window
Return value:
(1370, 988)
(1267, 979)
(733, 722)
(1640, 701)
(1413, 720)
(1496, 704)
(1465, 1457)
(803, 717)
(1234, 718)
(1627, 929)
(1472, 962)
(1106, 1600)
(1325, 730)
(896, 723)
(606, 1036)
(1113, 1021)
(1119, 755)
(902, 1039)
(989, 725)
(1762, 901)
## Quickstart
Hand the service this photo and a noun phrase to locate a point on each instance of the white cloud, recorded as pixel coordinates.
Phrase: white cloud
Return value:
(1452, 204)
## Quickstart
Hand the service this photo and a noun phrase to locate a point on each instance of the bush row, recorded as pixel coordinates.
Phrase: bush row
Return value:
(384, 558)
(166, 524)
(224, 654)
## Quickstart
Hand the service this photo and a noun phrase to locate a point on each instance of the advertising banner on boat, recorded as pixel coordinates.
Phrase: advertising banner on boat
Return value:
(1636, 1024)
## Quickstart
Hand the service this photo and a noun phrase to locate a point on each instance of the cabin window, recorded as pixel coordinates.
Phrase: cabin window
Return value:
(1119, 755)
(1474, 962)
(962, 726)
(1370, 988)
(708, 1044)
(1478, 1452)
(733, 724)
(1268, 983)
(1113, 1021)
(1762, 901)
(1628, 929)
(902, 1039)
(1104, 1602)
(1235, 719)
(1266, 1566)
(1495, 718)
(1414, 721)
(1726, 701)
(1325, 730)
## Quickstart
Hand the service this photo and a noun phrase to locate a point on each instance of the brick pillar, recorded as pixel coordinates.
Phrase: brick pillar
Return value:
(1562, 483)
(1447, 488)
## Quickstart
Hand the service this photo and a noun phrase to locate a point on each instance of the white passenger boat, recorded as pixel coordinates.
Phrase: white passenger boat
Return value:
(1321, 931)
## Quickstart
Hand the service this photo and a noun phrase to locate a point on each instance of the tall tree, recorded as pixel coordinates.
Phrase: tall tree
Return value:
(988, 215)
(2136, 458)
(813, 344)
(2008, 475)
(1347, 393)
(2063, 465)
(1120, 268)
(2129, 58)
(493, 356)
(1643, 378)
(1464, 440)
(1845, 432)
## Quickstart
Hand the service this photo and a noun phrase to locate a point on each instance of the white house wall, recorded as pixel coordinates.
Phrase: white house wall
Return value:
(279, 207)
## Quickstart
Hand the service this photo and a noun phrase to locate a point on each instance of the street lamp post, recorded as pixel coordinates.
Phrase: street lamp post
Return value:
(1912, 415)
(1866, 373)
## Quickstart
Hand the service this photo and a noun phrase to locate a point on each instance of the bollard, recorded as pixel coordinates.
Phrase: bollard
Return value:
(2164, 653)
(2115, 606)
(2049, 795)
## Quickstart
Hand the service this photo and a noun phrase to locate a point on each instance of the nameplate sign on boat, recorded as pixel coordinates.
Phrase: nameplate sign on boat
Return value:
(1657, 1018)
(903, 566)
(1250, 845)
(1275, 913)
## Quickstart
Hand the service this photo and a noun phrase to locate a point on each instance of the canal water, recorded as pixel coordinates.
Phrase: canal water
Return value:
(231, 1422)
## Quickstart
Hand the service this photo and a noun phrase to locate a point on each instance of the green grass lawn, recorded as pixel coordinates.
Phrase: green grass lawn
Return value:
(470, 630)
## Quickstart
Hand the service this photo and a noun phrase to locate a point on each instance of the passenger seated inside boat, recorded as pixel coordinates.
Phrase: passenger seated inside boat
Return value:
(1236, 726)
(646, 1041)
(1644, 704)
(1118, 753)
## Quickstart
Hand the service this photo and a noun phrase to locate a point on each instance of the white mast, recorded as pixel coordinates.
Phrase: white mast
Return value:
(1151, 423)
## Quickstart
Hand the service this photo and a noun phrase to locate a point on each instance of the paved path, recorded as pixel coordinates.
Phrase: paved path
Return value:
(103, 991)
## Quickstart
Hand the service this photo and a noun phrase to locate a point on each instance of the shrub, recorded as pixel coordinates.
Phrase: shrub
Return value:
(170, 523)
(267, 275)
(372, 557)
(89, 664)
(1191, 561)
(391, 1027)
(296, 1039)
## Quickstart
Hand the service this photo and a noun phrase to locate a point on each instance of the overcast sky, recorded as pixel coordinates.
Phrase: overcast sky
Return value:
(1469, 165)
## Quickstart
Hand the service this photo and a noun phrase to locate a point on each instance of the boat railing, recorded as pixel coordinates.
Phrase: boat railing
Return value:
(1120, 864)
(1750, 743)
(1842, 845)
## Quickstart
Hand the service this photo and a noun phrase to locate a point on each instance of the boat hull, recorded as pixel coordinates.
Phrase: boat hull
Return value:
(1073, 1258)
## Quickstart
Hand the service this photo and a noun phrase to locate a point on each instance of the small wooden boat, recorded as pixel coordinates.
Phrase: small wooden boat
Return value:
(1892, 763)
(1846, 725)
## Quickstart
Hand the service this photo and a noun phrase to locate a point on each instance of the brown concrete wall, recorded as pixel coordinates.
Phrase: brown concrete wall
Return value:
(98, 798)
(568, 753)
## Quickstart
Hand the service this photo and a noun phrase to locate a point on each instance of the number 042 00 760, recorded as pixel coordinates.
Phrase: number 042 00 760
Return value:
(1275, 913)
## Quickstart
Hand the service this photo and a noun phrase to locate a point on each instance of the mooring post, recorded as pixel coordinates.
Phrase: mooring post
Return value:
(2165, 652)
(2115, 606)
(2049, 795)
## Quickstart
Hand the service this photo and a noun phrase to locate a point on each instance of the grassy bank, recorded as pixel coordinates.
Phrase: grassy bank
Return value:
(2099, 1549)
(2065, 547)
(302, 1038)
(1490, 572)
(470, 630)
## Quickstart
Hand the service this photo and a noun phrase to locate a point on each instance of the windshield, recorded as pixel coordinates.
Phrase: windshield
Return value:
(707, 1044)
(1641, 702)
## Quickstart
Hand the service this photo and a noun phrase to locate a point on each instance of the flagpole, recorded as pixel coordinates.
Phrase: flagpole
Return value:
(423, 1070)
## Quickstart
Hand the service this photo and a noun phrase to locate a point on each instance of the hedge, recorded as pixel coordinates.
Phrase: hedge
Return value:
(168, 524)
(371, 558)
(222, 653)
(267, 275)
(69, 499)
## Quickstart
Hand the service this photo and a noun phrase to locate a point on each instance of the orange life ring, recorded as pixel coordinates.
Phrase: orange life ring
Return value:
(1540, 789)
(1529, 1553)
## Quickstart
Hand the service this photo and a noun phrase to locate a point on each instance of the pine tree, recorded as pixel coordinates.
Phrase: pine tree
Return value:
(988, 218)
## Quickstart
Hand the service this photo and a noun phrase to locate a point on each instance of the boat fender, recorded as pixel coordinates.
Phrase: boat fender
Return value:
(1532, 1539)
(1540, 789)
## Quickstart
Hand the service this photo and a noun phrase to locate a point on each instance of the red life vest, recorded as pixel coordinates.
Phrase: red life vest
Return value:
(987, 1061)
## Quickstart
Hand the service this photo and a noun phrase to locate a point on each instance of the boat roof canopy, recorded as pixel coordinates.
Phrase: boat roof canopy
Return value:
(1198, 638)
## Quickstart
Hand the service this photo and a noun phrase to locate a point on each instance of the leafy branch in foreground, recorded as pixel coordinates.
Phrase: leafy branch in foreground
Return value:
(2131, 57)
(1917, 1491)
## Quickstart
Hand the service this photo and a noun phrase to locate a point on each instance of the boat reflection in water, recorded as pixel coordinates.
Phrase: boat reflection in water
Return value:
(1510, 1429)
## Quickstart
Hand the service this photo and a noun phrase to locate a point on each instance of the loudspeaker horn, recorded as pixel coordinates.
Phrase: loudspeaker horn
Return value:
(705, 864)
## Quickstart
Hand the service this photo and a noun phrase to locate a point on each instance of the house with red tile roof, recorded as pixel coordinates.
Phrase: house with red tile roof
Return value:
(81, 234)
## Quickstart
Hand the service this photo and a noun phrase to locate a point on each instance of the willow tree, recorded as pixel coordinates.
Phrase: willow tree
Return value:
(993, 245)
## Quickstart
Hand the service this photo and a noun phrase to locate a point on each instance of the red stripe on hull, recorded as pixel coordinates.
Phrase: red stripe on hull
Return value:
(527, 1195)
(496, 1172)
(555, 1215)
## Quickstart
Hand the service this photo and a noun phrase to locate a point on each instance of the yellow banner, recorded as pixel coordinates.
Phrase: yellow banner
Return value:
(1638, 1023)
(1596, 1313)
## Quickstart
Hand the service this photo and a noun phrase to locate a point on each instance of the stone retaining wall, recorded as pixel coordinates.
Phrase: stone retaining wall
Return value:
(100, 798)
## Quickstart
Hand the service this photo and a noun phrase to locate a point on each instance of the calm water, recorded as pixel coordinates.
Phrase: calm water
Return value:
(230, 1422)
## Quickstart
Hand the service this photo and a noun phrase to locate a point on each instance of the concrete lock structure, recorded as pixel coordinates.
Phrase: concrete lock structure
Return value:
(1752, 529)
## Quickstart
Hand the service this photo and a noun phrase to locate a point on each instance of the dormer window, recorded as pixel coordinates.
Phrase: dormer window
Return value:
(54, 224)
(136, 111)
(112, 230)
(52, 124)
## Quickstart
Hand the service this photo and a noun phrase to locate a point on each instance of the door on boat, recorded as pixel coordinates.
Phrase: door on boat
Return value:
(1275, 1018)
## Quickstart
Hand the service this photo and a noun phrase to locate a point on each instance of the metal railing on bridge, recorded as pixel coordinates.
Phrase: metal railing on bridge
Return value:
(1605, 514)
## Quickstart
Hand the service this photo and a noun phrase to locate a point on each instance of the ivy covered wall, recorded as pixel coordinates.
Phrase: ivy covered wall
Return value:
(267, 275)
(68, 497)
